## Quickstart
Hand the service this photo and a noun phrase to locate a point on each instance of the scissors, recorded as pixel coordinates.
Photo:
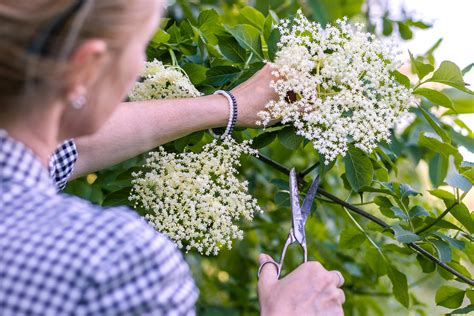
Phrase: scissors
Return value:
(299, 217)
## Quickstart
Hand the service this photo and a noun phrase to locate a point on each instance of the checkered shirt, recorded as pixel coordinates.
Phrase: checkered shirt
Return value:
(61, 255)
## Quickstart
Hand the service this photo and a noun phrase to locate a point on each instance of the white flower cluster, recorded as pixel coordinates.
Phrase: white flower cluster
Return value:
(344, 85)
(162, 82)
(196, 198)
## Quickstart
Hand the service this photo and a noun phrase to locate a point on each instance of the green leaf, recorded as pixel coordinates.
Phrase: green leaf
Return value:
(455, 179)
(467, 69)
(403, 235)
(400, 286)
(449, 73)
(387, 26)
(426, 265)
(231, 49)
(420, 68)
(470, 295)
(435, 124)
(449, 296)
(443, 250)
(273, 43)
(462, 311)
(289, 139)
(433, 143)
(418, 211)
(248, 37)
(375, 261)
(446, 196)
(220, 75)
(404, 31)
(438, 169)
(249, 15)
(462, 214)
(263, 140)
(195, 72)
(436, 97)
(401, 78)
(160, 37)
(463, 103)
(351, 238)
(359, 169)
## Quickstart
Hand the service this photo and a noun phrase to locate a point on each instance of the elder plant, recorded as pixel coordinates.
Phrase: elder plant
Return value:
(346, 91)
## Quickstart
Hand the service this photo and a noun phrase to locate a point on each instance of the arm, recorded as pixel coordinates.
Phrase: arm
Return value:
(136, 127)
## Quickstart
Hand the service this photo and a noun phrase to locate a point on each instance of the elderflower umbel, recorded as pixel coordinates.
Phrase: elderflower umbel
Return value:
(162, 82)
(196, 198)
(344, 83)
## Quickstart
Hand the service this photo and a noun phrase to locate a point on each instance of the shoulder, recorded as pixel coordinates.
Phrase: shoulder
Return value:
(132, 268)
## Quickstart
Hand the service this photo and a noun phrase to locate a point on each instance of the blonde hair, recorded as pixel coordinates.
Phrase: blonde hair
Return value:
(23, 22)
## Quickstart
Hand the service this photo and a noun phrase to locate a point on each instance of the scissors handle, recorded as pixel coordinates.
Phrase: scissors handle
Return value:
(290, 240)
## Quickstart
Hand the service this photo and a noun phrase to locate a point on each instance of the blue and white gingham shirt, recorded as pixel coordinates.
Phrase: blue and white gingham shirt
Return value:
(60, 255)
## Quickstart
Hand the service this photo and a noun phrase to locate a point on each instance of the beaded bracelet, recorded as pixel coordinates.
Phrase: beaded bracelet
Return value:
(233, 111)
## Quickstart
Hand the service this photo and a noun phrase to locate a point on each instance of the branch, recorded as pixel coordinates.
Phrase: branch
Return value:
(437, 219)
(372, 218)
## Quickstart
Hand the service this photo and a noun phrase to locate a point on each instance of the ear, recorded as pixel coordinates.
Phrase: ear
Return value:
(85, 66)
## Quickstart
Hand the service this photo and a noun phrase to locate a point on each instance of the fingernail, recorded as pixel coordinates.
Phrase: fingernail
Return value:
(262, 258)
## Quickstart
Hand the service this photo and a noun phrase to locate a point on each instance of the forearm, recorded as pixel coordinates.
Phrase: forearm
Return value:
(136, 127)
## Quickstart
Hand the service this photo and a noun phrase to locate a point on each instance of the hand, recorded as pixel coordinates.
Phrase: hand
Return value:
(308, 290)
(252, 96)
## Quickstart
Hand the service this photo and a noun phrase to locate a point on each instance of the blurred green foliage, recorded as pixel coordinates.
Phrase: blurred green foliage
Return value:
(221, 44)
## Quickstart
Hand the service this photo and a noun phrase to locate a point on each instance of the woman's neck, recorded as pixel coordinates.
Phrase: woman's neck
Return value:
(39, 131)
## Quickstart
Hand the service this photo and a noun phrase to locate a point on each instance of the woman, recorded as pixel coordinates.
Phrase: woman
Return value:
(64, 67)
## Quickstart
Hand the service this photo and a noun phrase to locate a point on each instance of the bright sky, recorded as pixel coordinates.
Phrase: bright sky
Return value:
(454, 22)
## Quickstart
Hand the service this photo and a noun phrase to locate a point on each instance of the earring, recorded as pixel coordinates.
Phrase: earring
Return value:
(78, 103)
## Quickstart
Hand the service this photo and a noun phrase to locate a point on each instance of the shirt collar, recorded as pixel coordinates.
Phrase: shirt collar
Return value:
(18, 164)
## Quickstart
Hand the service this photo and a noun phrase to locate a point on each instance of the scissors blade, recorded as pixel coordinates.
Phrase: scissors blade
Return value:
(309, 199)
(297, 217)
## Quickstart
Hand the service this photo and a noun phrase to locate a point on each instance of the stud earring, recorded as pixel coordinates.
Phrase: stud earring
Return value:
(78, 103)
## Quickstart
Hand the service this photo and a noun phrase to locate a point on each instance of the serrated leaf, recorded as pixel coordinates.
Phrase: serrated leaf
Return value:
(436, 145)
(443, 250)
(351, 238)
(462, 214)
(220, 75)
(456, 180)
(195, 72)
(248, 37)
(426, 265)
(462, 311)
(403, 235)
(387, 27)
(263, 140)
(359, 169)
(231, 49)
(467, 68)
(289, 139)
(449, 296)
(375, 261)
(436, 97)
(418, 211)
(438, 169)
(449, 73)
(404, 31)
(400, 286)
(420, 68)
(401, 78)
(252, 16)
(470, 295)
(435, 124)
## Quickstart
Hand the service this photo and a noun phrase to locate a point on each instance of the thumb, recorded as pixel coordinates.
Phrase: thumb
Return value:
(268, 273)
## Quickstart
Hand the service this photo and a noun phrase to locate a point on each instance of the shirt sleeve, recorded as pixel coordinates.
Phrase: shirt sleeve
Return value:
(146, 275)
(61, 163)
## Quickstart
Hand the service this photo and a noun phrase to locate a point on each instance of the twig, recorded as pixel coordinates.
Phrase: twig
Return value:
(437, 219)
(372, 218)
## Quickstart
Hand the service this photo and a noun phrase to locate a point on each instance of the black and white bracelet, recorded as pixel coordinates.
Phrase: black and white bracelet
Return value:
(233, 111)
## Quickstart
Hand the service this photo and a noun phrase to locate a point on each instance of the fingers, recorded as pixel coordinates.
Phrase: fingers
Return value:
(337, 277)
(268, 272)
